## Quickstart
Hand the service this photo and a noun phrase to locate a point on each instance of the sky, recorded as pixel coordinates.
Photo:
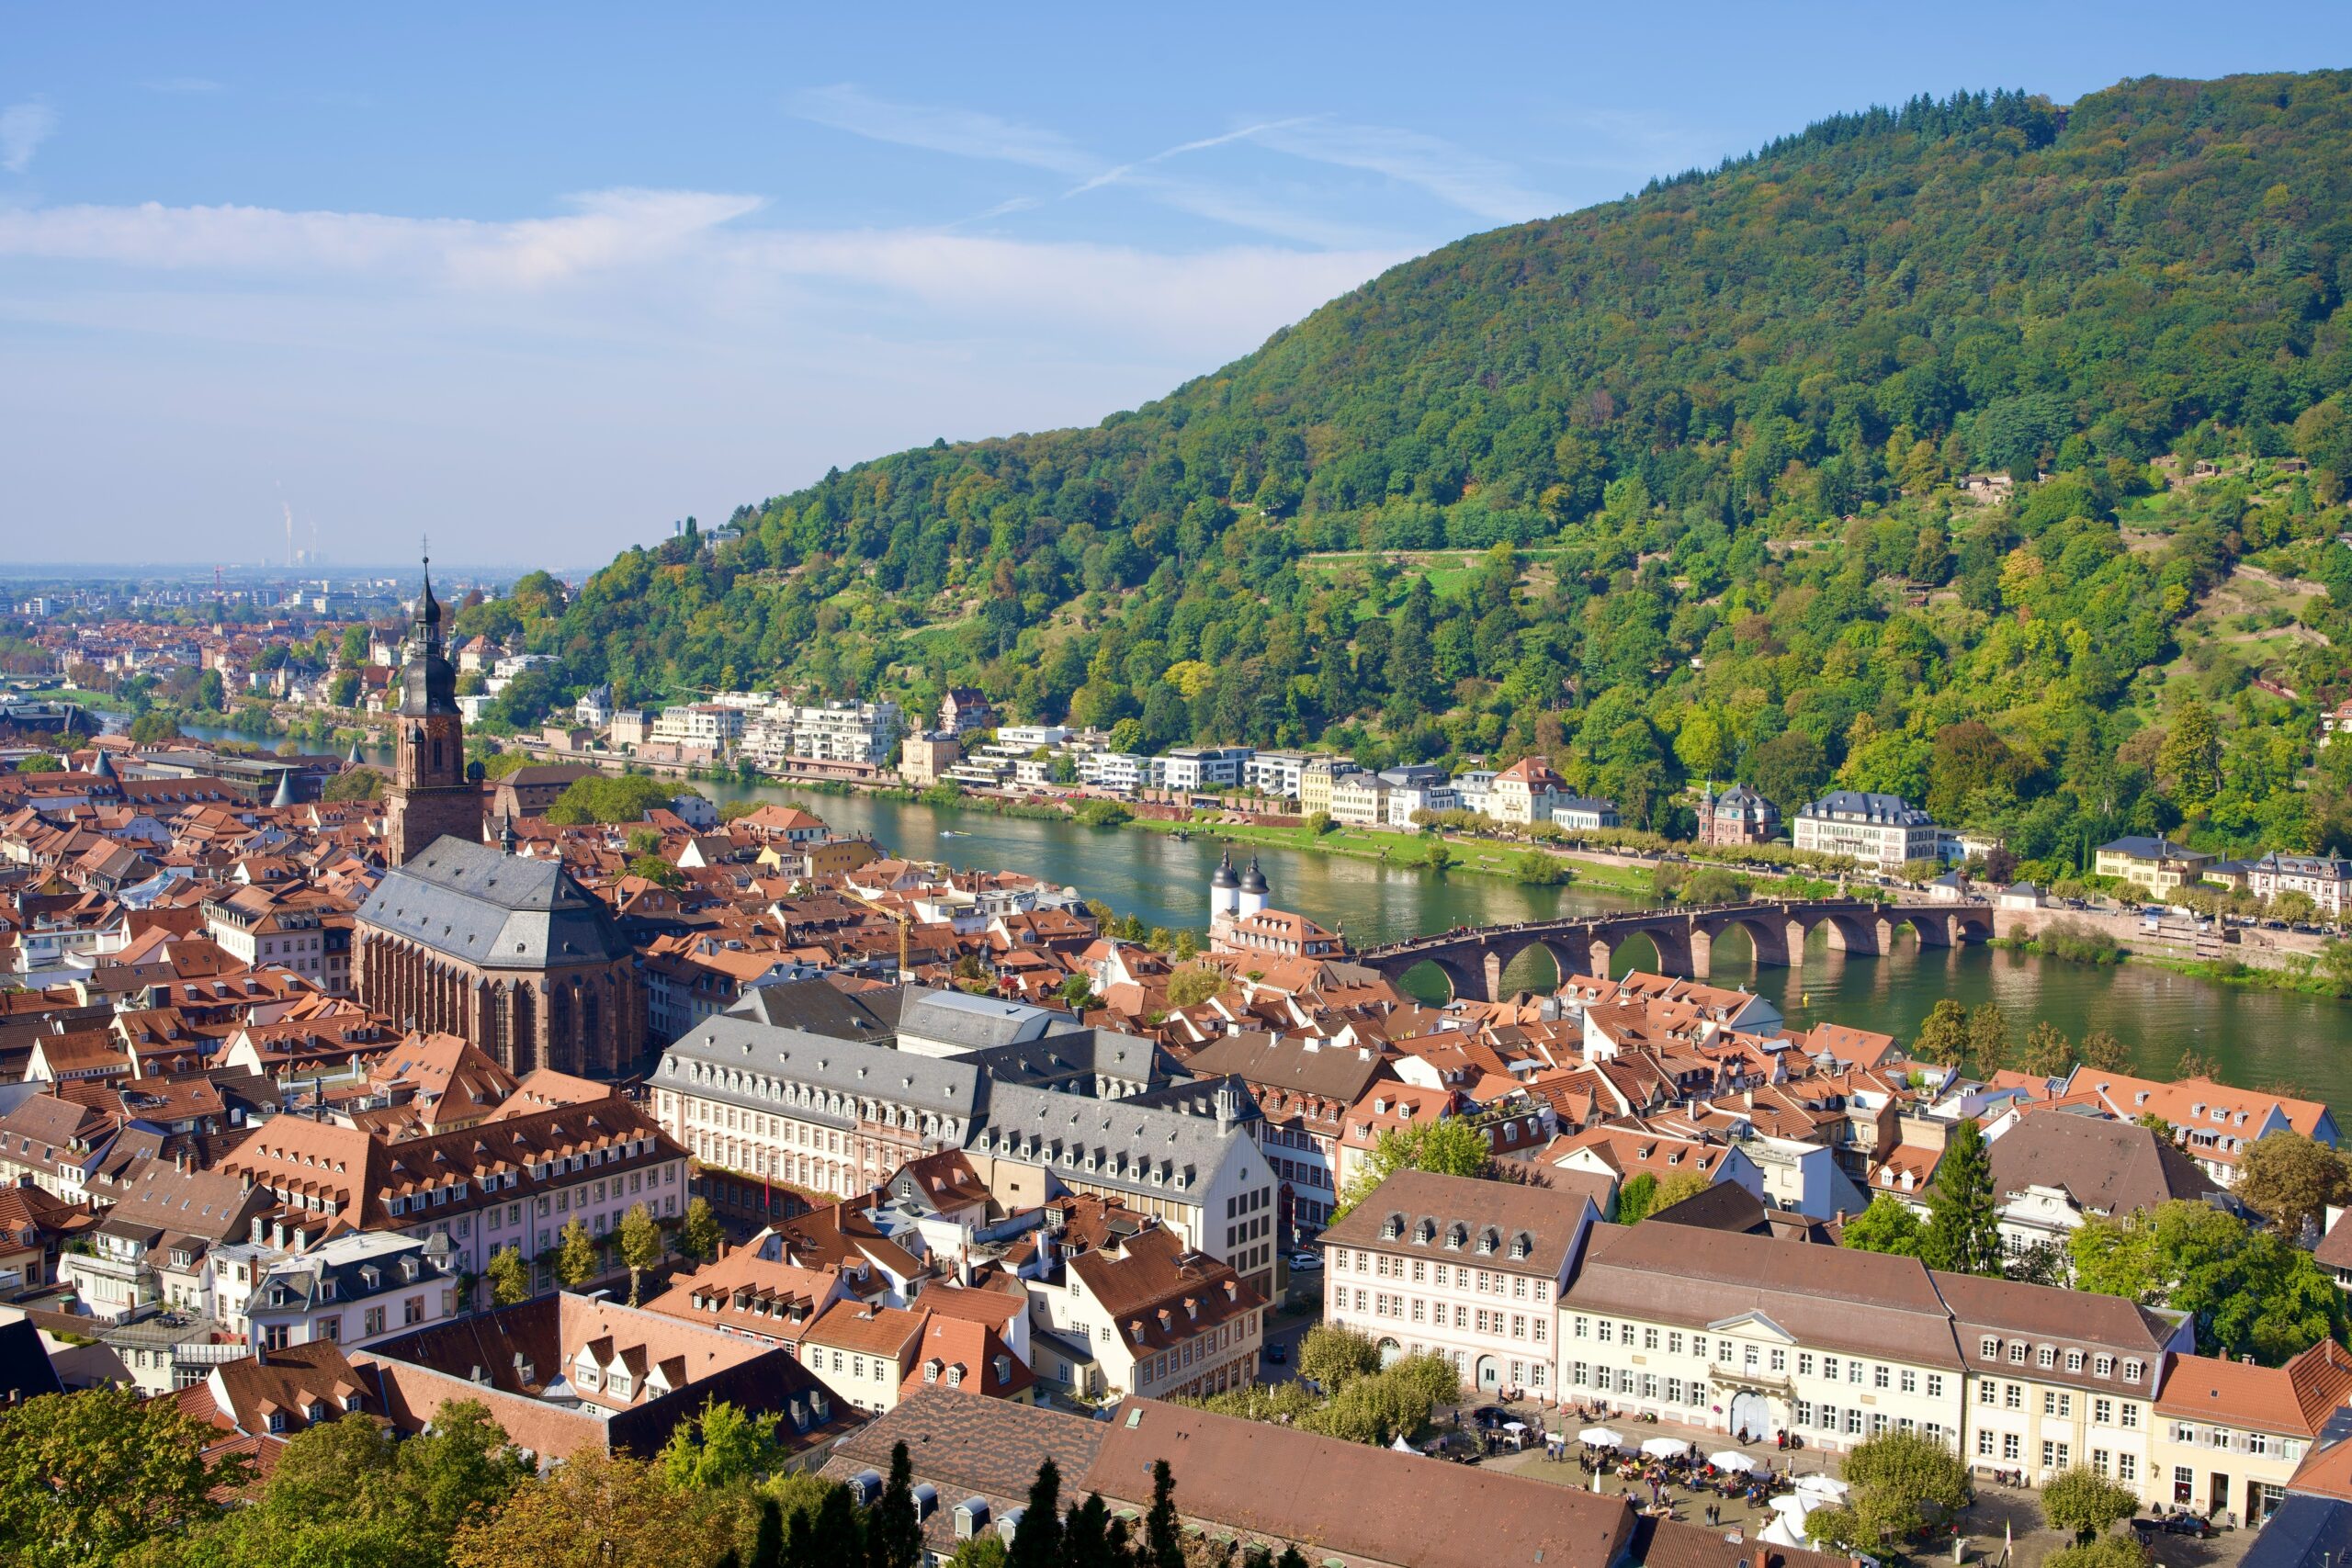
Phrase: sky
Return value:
(538, 281)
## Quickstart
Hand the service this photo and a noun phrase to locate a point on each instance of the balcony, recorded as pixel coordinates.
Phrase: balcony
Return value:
(1752, 1376)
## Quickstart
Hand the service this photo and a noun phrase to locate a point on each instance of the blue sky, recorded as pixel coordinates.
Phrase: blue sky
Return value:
(542, 280)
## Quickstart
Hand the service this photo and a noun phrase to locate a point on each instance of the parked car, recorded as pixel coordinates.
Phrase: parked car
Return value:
(1489, 1417)
(1278, 1355)
(1305, 1262)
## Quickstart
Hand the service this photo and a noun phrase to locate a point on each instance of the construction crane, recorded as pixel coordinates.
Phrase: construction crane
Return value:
(904, 921)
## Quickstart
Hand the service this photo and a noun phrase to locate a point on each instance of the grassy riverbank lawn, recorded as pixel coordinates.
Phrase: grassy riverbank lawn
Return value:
(1479, 856)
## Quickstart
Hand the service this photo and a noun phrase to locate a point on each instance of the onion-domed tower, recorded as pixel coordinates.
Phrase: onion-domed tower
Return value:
(1225, 888)
(1252, 897)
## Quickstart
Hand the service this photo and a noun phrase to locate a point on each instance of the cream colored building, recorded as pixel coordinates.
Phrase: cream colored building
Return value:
(1157, 1318)
(1359, 799)
(2227, 1435)
(1467, 1269)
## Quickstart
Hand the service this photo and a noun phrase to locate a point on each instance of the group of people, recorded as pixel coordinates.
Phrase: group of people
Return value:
(1691, 1472)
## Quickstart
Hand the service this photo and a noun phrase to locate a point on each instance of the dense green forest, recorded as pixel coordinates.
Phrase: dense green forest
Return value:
(1673, 488)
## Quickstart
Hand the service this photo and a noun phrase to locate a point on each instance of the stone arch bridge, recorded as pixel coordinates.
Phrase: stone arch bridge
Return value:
(1473, 958)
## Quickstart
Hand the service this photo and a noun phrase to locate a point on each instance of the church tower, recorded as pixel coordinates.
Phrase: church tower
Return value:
(430, 794)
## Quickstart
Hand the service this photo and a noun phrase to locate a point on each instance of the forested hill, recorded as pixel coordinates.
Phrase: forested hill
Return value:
(1720, 424)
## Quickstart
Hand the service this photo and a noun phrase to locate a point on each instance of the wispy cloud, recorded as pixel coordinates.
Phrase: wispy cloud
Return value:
(667, 246)
(1453, 174)
(23, 127)
(965, 133)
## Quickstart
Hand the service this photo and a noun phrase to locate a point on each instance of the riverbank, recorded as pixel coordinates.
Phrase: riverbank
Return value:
(1479, 857)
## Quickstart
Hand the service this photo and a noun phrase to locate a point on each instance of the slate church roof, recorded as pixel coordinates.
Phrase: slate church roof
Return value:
(495, 910)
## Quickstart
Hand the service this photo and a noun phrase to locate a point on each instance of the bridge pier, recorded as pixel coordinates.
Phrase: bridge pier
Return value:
(1699, 944)
(1492, 969)
(1858, 937)
(1599, 954)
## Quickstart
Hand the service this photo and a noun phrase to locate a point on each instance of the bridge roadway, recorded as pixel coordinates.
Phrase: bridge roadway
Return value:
(1473, 958)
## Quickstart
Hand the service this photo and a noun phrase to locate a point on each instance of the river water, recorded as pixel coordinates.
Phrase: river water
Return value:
(2260, 1037)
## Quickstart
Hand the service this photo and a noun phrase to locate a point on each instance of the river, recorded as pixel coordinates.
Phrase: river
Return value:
(2260, 1037)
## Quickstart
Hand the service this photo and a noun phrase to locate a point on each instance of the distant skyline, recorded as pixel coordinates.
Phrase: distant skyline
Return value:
(540, 280)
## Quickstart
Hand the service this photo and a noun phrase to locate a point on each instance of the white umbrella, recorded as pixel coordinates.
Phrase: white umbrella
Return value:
(1827, 1485)
(1778, 1533)
(1600, 1437)
(1665, 1447)
(1731, 1459)
(1514, 1425)
(1794, 1506)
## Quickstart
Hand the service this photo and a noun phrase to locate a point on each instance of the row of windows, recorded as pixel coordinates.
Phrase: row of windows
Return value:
(1488, 1281)
(2047, 1357)
(2059, 1403)
(1518, 1325)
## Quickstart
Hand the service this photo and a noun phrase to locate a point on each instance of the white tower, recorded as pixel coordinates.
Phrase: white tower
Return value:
(1223, 889)
(1252, 897)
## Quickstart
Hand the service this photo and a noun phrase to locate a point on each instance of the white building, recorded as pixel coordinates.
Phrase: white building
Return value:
(1204, 767)
(1274, 773)
(1114, 769)
(2325, 880)
(351, 1289)
(1583, 813)
(1466, 1269)
(1877, 829)
(714, 725)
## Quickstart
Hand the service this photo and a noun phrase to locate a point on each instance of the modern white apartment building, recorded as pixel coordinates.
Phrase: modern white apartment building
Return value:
(714, 725)
(1275, 772)
(1878, 829)
(1114, 769)
(1204, 767)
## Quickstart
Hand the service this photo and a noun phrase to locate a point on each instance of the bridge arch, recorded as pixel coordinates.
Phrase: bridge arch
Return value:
(1771, 936)
(1462, 982)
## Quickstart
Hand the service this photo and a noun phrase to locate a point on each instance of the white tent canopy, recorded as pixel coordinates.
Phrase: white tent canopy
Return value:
(1665, 1447)
(1600, 1438)
(1731, 1459)
(1780, 1534)
(1402, 1446)
(1827, 1485)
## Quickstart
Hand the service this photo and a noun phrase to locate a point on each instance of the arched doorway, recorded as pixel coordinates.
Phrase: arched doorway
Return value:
(1391, 1352)
(1751, 1419)
(1490, 1373)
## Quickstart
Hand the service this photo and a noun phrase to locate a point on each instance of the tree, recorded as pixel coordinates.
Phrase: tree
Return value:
(1163, 1536)
(2102, 1052)
(720, 1447)
(575, 1256)
(151, 728)
(1788, 769)
(2194, 1064)
(2080, 1500)
(2048, 1053)
(2247, 1291)
(1447, 1147)
(460, 1470)
(1962, 1233)
(1943, 1034)
(1636, 1196)
(1189, 984)
(2189, 760)
(894, 1535)
(640, 1244)
(987, 1551)
(1889, 1225)
(1334, 1356)
(510, 1277)
(2120, 1551)
(84, 1477)
(1988, 1039)
(596, 1511)
(659, 872)
(41, 762)
(354, 784)
(2292, 1179)
(1681, 1185)
(700, 1237)
(1902, 1481)
(1037, 1537)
